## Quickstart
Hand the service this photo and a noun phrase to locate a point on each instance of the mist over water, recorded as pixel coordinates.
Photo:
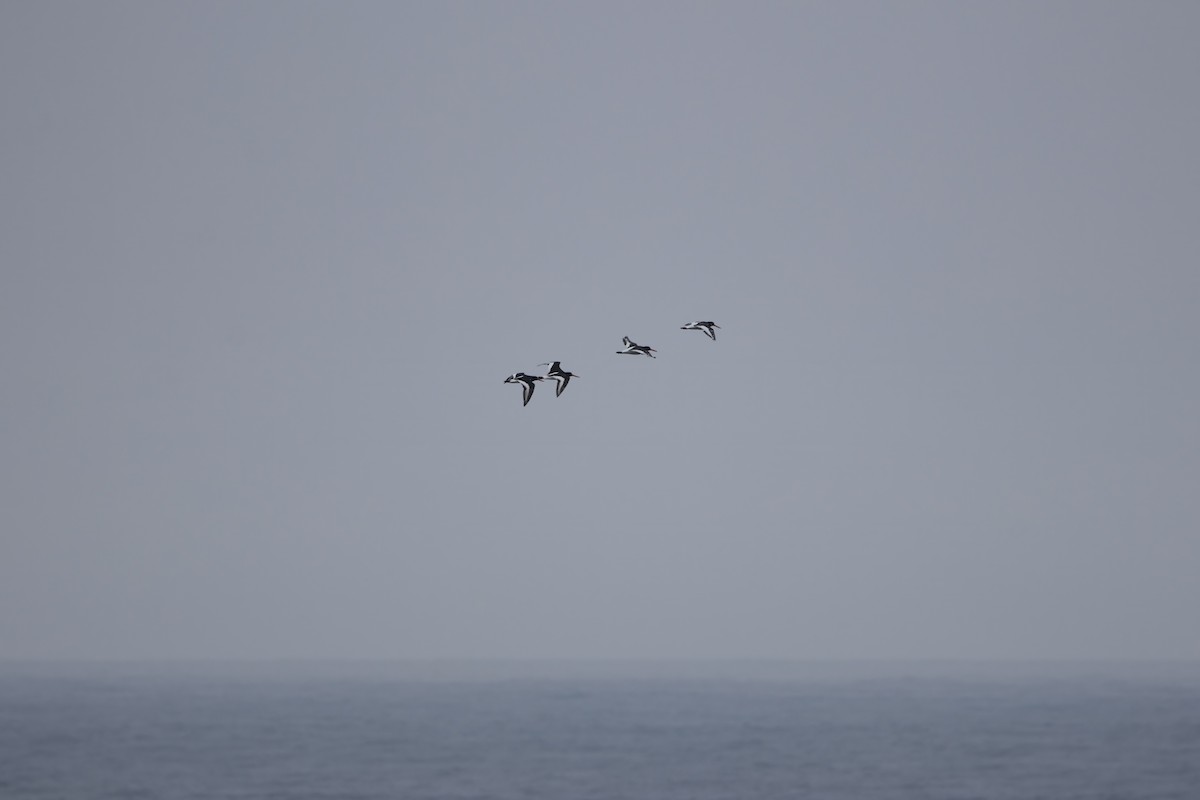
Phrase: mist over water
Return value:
(572, 731)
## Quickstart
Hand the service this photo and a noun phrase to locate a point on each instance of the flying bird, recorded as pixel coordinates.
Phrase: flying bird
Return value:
(558, 375)
(707, 327)
(526, 382)
(632, 348)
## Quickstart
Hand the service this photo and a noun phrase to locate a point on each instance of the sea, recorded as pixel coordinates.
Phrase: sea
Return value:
(599, 730)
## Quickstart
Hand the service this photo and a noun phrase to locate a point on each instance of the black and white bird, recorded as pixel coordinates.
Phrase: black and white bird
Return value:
(557, 374)
(526, 382)
(707, 327)
(632, 348)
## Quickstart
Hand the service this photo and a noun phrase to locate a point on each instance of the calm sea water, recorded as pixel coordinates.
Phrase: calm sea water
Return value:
(573, 733)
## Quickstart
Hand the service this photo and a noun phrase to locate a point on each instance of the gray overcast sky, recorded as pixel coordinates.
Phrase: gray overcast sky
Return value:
(265, 267)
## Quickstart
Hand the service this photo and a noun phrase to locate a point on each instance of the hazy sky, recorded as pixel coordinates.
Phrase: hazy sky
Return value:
(264, 267)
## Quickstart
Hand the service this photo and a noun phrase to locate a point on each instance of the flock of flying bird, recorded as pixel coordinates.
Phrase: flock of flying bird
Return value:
(561, 377)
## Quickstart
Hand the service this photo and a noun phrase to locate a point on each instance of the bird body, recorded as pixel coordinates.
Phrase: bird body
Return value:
(557, 374)
(702, 325)
(526, 382)
(632, 348)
